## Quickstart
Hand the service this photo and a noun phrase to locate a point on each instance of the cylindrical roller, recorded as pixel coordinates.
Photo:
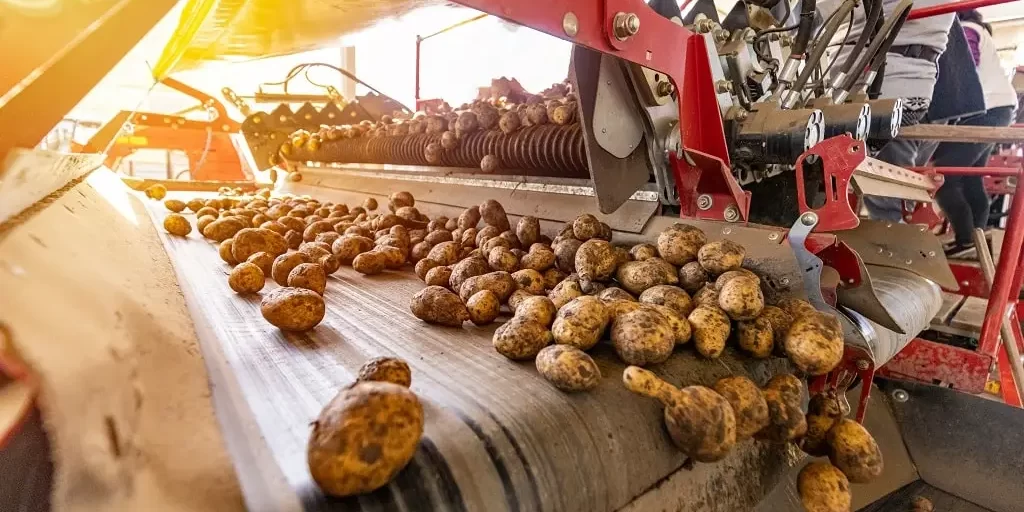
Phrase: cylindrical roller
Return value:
(776, 136)
(886, 116)
(851, 118)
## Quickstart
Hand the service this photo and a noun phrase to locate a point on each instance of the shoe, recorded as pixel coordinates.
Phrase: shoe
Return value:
(957, 249)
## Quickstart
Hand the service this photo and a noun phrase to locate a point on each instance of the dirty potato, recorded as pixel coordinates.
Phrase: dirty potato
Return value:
(820, 422)
(565, 254)
(284, 264)
(469, 218)
(539, 258)
(528, 230)
(680, 243)
(483, 307)
(721, 256)
(364, 437)
(595, 261)
(537, 309)
(501, 283)
(494, 214)
(246, 278)
(501, 258)
(670, 296)
(796, 308)
(706, 296)
(823, 488)
(642, 337)
(521, 338)
(854, 451)
(250, 241)
(637, 276)
(615, 293)
(641, 252)
(370, 263)
(174, 205)
(224, 250)
(786, 421)
(780, 321)
(564, 292)
(741, 298)
(748, 404)
(552, 277)
(814, 343)
(347, 247)
(385, 369)
(466, 269)
(580, 323)
(568, 368)
(177, 225)
(788, 384)
(681, 329)
(293, 309)
(585, 227)
(445, 253)
(756, 337)
(264, 260)
(394, 258)
(692, 277)
(725, 277)
(222, 229)
(310, 276)
(439, 276)
(711, 330)
(529, 280)
(437, 305)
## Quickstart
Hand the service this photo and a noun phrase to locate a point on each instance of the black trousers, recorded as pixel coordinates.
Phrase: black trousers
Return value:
(963, 198)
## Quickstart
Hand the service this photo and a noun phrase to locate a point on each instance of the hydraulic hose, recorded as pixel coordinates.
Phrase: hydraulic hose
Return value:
(805, 27)
(874, 13)
(826, 34)
(875, 54)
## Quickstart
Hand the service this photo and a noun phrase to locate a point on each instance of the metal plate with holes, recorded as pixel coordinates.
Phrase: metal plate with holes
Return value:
(862, 298)
(909, 247)
(615, 179)
(875, 177)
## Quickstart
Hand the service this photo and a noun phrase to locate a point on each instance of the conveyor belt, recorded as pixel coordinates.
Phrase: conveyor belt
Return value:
(498, 437)
(911, 300)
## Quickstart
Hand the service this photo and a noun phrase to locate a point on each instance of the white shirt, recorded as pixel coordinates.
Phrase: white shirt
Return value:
(995, 82)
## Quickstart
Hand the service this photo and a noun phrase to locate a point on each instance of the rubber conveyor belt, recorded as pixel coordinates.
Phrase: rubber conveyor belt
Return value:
(497, 436)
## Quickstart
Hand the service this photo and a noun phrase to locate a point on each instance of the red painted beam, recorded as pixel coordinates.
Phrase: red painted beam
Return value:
(936, 10)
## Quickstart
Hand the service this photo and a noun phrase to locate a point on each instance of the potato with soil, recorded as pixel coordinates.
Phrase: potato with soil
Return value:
(284, 264)
(250, 241)
(483, 307)
(536, 309)
(779, 320)
(681, 329)
(854, 451)
(615, 293)
(595, 261)
(585, 227)
(741, 298)
(310, 276)
(814, 343)
(788, 384)
(501, 283)
(370, 263)
(424, 266)
(385, 369)
(264, 260)
(469, 218)
(466, 269)
(568, 368)
(823, 412)
(756, 337)
(669, 296)
(638, 276)
(640, 252)
(222, 229)
(521, 338)
(539, 258)
(394, 258)
(564, 292)
(293, 309)
(711, 330)
(823, 488)
(700, 422)
(437, 305)
(552, 277)
(748, 405)
(224, 250)
(347, 247)
(796, 308)
(565, 254)
(493, 214)
(786, 421)
(528, 230)
(246, 278)
(439, 276)
(642, 337)
(529, 280)
(580, 323)
(706, 296)
(445, 253)
(177, 225)
(721, 256)
(680, 243)
(725, 277)
(364, 437)
(692, 277)
(501, 258)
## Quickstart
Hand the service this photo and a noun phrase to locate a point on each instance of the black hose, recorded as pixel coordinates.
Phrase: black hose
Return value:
(874, 13)
(821, 42)
(805, 27)
(885, 37)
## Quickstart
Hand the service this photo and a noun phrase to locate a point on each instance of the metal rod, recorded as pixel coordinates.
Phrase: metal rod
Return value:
(1005, 275)
(416, 92)
(969, 171)
(1009, 341)
(935, 10)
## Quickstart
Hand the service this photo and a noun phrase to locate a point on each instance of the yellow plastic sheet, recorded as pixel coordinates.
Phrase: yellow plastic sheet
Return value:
(211, 30)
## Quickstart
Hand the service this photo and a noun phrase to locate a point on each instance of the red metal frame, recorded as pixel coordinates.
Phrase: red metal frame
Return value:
(930, 362)
(935, 10)
(839, 157)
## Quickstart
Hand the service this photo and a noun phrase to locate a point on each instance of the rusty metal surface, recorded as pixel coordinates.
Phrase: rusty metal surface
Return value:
(902, 246)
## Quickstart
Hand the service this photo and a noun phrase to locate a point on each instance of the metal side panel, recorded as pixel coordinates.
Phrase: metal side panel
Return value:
(905, 246)
(962, 444)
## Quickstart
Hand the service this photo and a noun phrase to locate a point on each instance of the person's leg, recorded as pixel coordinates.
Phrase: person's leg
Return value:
(974, 194)
(953, 204)
(897, 152)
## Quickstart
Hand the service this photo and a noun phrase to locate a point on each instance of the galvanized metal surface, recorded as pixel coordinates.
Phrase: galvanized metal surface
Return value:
(908, 247)
(861, 297)
(912, 302)
(616, 124)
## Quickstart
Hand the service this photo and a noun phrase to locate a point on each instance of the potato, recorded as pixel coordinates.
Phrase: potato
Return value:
(563, 114)
(741, 298)
(568, 368)
(329, 263)
(748, 404)
(585, 227)
(399, 199)
(466, 269)
(263, 260)
(449, 140)
(815, 441)
(494, 214)
(469, 218)
(529, 280)
(246, 278)
(419, 251)
(670, 296)
(642, 337)
(699, 421)
(615, 293)
(445, 253)
(680, 243)
(483, 307)
(175, 205)
(580, 323)
(509, 122)
(370, 263)
(439, 276)
(528, 230)
(796, 308)
(780, 321)
(157, 192)
(347, 247)
(814, 343)
(552, 277)
(207, 210)
(284, 264)
(921, 504)
(730, 275)
(564, 292)
(706, 296)
(222, 229)
(437, 236)
(520, 338)
(423, 266)
(385, 369)
(786, 421)
(681, 329)
(539, 259)
(364, 437)
(637, 276)
(177, 225)
(314, 250)
(195, 204)
(501, 283)
(787, 384)
(224, 249)
(565, 254)
(711, 329)
(310, 276)
(823, 488)
(438, 305)
(292, 223)
(517, 297)
(641, 252)
(595, 261)
(854, 451)
(621, 255)
(293, 309)
(756, 337)
(327, 237)
(501, 258)
(275, 226)
(721, 256)
(394, 258)
(536, 309)
(671, 272)
(486, 233)
(249, 241)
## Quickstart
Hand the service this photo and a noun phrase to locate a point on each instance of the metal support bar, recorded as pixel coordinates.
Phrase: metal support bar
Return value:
(969, 171)
(1009, 341)
(936, 10)
(419, 44)
(1006, 275)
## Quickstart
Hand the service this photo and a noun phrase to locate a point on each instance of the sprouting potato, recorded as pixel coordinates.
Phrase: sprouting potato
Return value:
(741, 298)
(642, 337)
(823, 488)
(177, 225)
(814, 343)
(521, 338)
(310, 276)
(293, 309)
(670, 296)
(854, 451)
(246, 278)
(748, 404)
(756, 337)
(580, 323)
(680, 243)
(537, 309)
(721, 256)
(568, 368)
(692, 277)
(284, 264)
(711, 330)
(386, 369)
(564, 292)
(438, 305)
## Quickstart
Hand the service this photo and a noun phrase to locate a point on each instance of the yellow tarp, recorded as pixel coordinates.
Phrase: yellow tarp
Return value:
(212, 30)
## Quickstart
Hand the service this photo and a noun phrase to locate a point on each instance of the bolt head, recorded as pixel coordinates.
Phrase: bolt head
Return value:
(773, 237)
(570, 24)
(809, 219)
(900, 395)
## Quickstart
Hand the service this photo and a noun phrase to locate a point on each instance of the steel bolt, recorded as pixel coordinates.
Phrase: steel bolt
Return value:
(704, 202)
(665, 89)
(723, 86)
(809, 219)
(625, 25)
(570, 24)
(773, 237)
(900, 395)
(721, 35)
(731, 213)
(863, 364)
(704, 25)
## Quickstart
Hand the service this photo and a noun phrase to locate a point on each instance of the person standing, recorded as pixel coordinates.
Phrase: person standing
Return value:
(963, 198)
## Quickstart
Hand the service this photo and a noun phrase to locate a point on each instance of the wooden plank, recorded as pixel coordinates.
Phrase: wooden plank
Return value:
(497, 436)
(951, 303)
(943, 132)
(971, 315)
